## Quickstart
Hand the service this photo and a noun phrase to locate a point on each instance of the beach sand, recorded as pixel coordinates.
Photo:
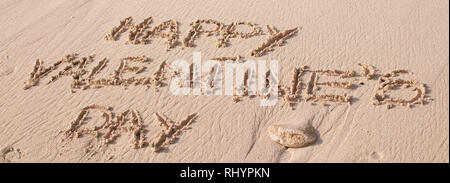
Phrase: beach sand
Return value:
(39, 123)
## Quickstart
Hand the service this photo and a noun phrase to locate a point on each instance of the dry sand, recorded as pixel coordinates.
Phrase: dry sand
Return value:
(62, 122)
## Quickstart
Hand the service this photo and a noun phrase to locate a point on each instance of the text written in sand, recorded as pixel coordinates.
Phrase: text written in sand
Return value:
(305, 86)
(143, 33)
(127, 122)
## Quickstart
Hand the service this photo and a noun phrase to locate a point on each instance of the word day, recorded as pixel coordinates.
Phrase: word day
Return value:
(128, 122)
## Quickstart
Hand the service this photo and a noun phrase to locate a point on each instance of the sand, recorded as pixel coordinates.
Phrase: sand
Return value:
(82, 82)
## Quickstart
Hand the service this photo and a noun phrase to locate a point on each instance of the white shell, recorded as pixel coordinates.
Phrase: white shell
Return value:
(292, 135)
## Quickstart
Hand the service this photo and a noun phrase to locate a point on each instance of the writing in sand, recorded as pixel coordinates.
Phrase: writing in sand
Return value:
(305, 86)
(305, 82)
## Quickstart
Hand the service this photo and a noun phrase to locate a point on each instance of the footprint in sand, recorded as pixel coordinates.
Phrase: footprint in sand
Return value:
(375, 156)
(5, 68)
(10, 154)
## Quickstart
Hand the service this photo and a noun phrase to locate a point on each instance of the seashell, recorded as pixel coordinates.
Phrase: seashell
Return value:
(292, 135)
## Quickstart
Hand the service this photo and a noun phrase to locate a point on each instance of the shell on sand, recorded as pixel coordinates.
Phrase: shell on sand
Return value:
(292, 135)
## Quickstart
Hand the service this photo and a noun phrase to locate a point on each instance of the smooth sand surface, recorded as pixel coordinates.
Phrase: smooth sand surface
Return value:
(332, 35)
